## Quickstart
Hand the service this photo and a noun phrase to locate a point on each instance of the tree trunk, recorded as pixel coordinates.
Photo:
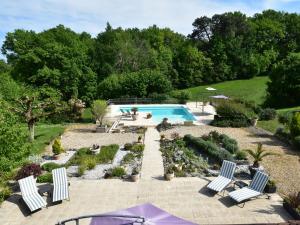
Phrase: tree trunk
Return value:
(31, 131)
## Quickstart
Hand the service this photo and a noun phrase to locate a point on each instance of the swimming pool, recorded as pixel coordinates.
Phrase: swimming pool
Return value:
(175, 114)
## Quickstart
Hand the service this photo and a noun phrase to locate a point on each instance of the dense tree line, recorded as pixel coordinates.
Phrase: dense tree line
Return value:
(139, 62)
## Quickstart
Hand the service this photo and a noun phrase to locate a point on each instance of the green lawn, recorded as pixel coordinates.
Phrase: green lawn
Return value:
(252, 89)
(44, 134)
(272, 125)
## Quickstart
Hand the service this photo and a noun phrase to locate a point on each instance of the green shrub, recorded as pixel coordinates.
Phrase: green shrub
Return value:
(222, 140)
(5, 192)
(182, 96)
(137, 148)
(57, 147)
(50, 166)
(128, 158)
(235, 122)
(107, 153)
(267, 114)
(28, 170)
(81, 169)
(118, 171)
(45, 178)
(285, 118)
(241, 155)
(128, 146)
(208, 147)
(233, 114)
(89, 162)
(297, 142)
(295, 125)
(115, 172)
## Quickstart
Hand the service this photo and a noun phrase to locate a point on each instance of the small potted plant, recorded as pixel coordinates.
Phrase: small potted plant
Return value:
(292, 204)
(135, 174)
(170, 173)
(140, 139)
(149, 115)
(257, 156)
(270, 187)
(134, 110)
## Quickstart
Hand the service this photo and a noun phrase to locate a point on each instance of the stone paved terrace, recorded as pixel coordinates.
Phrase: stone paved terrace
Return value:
(151, 170)
(184, 197)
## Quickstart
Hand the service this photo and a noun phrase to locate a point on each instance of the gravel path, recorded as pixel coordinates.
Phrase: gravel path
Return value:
(284, 169)
(77, 139)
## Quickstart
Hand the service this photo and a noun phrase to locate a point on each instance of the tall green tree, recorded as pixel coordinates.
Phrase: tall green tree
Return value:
(284, 86)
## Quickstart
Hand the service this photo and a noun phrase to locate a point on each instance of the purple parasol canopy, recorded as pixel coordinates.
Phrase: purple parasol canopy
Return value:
(152, 216)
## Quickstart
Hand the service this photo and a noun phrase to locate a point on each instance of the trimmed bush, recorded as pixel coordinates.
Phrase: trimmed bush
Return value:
(267, 114)
(45, 178)
(209, 148)
(50, 166)
(28, 170)
(57, 147)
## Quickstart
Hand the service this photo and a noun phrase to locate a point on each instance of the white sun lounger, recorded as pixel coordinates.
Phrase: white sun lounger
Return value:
(61, 185)
(225, 177)
(255, 188)
(30, 194)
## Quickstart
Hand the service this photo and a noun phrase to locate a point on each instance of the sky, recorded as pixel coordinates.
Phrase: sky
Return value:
(92, 15)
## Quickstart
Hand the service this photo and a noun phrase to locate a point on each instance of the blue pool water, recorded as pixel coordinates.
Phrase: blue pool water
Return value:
(175, 114)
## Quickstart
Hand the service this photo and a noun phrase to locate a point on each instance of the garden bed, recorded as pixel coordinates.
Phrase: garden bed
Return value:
(199, 156)
(111, 161)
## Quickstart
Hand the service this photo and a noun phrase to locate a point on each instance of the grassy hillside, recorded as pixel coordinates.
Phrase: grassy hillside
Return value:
(252, 90)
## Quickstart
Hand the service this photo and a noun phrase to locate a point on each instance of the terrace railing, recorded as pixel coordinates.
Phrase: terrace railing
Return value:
(125, 101)
(132, 219)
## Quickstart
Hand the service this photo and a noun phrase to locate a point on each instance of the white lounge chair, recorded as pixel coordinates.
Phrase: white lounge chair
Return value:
(30, 194)
(61, 185)
(225, 177)
(255, 188)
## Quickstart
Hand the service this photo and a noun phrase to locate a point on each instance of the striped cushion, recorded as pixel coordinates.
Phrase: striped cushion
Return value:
(243, 194)
(219, 183)
(259, 181)
(30, 194)
(60, 182)
(227, 169)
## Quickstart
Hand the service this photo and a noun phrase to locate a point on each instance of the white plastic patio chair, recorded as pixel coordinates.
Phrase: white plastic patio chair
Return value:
(225, 177)
(30, 194)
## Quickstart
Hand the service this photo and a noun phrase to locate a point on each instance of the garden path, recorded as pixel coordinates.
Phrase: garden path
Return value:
(152, 166)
